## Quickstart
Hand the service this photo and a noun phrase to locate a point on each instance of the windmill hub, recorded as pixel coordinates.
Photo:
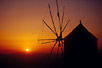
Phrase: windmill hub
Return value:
(59, 38)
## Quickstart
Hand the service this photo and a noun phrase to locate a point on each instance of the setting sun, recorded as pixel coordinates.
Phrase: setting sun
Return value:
(27, 49)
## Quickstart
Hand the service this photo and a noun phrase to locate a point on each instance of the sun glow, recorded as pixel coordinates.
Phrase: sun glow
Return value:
(27, 50)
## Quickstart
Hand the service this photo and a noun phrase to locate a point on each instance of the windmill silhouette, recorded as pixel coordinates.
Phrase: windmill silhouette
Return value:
(59, 38)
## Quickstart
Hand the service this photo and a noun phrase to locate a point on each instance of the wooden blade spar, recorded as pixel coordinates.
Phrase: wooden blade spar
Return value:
(47, 42)
(45, 39)
(52, 49)
(48, 26)
(52, 20)
(66, 25)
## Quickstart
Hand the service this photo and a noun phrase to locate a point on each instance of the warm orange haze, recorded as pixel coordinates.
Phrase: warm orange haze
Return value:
(21, 22)
(50, 33)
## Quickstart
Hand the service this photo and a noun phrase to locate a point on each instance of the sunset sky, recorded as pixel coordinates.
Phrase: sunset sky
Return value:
(21, 22)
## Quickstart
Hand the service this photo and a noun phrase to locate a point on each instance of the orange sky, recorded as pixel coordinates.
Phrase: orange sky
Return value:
(21, 22)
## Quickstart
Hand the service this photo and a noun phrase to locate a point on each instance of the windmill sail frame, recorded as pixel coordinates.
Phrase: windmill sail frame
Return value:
(59, 38)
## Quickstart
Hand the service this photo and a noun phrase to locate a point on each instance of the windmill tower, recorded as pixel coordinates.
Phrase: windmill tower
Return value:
(59, 39)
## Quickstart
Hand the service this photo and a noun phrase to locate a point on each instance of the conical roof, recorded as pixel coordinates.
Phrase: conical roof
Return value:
(80, 29)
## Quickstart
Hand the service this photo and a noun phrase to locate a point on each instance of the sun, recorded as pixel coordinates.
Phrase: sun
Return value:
(27, 50)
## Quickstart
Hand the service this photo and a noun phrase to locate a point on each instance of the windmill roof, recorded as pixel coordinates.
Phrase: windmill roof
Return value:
(78, 29)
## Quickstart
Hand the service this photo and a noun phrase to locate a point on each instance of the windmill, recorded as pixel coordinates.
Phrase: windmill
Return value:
(59, 38)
